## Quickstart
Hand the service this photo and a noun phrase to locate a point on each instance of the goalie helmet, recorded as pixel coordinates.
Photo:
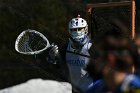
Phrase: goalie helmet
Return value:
(78, 29)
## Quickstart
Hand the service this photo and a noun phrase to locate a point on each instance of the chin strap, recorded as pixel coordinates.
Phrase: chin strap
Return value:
(84, 40)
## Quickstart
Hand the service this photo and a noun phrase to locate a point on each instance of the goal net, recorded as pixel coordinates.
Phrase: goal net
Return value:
(110, 16)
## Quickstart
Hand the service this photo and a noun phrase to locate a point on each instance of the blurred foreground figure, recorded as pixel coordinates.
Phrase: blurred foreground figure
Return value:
(116, 70)
(114, 67)
(40, 86)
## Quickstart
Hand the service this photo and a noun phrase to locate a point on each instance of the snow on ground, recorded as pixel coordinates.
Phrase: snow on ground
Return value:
(39, 86)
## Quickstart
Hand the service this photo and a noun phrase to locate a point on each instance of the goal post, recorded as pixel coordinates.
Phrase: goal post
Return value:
(133, 14)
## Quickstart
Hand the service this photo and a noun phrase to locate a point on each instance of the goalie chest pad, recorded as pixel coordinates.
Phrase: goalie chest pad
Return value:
(77, 64)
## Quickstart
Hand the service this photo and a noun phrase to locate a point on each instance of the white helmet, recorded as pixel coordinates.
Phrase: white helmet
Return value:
(78, 29)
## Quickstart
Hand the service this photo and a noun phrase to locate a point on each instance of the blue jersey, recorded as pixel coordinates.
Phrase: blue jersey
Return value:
(131, 84)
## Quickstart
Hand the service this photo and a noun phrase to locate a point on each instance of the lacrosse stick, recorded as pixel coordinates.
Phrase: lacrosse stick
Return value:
(31, 42)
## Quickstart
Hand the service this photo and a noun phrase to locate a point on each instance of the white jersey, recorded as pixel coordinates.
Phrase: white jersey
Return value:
(76, 64)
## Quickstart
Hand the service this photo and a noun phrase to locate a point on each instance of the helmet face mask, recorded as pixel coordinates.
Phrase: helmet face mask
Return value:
(78, 29)
(79, 34)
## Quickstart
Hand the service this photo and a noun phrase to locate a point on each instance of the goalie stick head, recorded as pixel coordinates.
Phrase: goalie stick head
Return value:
(31, 42)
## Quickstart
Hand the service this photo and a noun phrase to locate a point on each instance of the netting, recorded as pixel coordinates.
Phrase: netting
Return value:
(31, 42)
(110, 19)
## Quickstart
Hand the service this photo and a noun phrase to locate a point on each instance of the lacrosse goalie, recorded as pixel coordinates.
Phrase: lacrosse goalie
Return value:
(74, 56)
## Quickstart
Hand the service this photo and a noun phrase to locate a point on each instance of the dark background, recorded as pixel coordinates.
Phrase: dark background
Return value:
(49, 17)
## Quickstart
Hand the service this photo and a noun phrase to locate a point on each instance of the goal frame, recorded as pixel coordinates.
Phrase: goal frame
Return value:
(91, 7)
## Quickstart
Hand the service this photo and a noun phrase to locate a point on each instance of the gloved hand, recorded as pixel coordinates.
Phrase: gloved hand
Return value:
(53, 54)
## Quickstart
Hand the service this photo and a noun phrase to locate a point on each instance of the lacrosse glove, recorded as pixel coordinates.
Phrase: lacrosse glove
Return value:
(53, 54)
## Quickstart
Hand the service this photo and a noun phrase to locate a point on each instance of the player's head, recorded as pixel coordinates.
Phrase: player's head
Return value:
(78, 29)
(116, 59)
